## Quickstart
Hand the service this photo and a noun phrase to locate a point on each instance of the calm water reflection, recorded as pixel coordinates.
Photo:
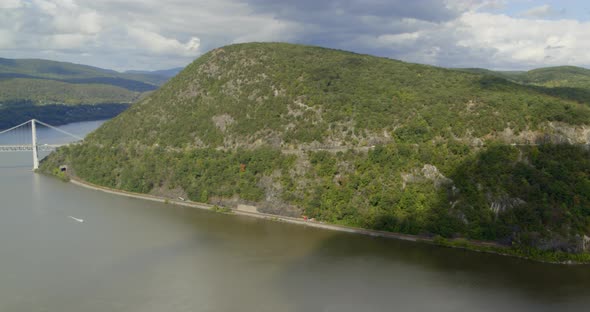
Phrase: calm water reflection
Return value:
(131, 255)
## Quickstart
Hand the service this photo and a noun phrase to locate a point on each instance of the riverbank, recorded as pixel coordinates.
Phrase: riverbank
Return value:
(259, 215)
(477, 246)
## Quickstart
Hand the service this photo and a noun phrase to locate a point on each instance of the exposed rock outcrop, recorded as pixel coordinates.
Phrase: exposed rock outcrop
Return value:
(427, 173)
(499, 204)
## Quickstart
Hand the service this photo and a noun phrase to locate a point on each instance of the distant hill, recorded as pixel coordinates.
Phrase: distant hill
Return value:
(563, 76)
(503, 74)
(552, 77)
(168, 73)
(47, 91)
(358, 140)
(75, 74)
(564, 81)
(51, 69)
(29, 83)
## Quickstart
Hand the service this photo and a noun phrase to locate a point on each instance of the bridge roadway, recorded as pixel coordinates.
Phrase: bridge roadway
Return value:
(29, 148)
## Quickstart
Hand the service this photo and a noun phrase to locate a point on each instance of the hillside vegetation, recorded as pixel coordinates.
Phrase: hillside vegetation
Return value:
(357, 140)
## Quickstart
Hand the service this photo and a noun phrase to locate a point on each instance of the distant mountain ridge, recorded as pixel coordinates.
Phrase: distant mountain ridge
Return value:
(163, 72)
(77, 73)
(26, 84)
(558, 76)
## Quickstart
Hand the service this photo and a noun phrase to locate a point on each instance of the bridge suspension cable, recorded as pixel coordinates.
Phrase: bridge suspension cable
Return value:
(24, 123)
(57, 129)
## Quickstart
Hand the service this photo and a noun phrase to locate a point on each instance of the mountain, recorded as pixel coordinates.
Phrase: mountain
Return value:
(510, 75)
(358, 140)
(563, 81)
(32, 88)
(71, 73)
(556, 77)
(560, 76)
(168, 73)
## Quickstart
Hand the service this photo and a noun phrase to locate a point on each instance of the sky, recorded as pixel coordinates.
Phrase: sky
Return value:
(161, 34)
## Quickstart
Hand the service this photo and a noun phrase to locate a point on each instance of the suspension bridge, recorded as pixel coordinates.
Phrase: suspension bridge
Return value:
(24, 138)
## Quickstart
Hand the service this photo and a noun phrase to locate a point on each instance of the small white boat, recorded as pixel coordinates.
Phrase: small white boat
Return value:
(76, 219)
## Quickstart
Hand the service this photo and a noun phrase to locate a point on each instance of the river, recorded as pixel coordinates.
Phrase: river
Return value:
(133, 255)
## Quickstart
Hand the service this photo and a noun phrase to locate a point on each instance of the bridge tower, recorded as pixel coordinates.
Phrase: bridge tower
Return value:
(35, 149)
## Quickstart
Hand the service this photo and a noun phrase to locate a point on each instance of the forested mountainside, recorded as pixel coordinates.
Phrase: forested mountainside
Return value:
(26, 85)
(357, 140)
(566, 81)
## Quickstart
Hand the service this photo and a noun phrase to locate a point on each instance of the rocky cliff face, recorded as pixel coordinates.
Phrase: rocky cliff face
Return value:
(549, 133)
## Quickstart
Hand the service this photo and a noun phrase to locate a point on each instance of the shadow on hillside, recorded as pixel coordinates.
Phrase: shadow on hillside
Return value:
(537, 195)
(578, 95)
(530, 195)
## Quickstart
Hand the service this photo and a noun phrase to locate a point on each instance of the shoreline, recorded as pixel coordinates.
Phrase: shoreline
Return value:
(258, 215)
(470, 245)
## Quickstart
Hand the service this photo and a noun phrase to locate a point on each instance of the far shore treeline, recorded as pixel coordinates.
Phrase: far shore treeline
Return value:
(14, 113)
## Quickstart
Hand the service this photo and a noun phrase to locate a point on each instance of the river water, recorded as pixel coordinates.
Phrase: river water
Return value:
(133, 255)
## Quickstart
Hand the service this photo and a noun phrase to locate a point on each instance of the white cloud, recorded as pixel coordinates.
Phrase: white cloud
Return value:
(67, 17)
(274, 30)
(150, 34)
(6, 39)
(45, 6)
(159, 44)
(193, 45)
(11, 4)
(66, 41)
(78, 22)
(527, 42)
(398, 39)
(477, 5)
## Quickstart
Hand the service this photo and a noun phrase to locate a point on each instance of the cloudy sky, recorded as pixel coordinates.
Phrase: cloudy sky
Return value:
(159, 34)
